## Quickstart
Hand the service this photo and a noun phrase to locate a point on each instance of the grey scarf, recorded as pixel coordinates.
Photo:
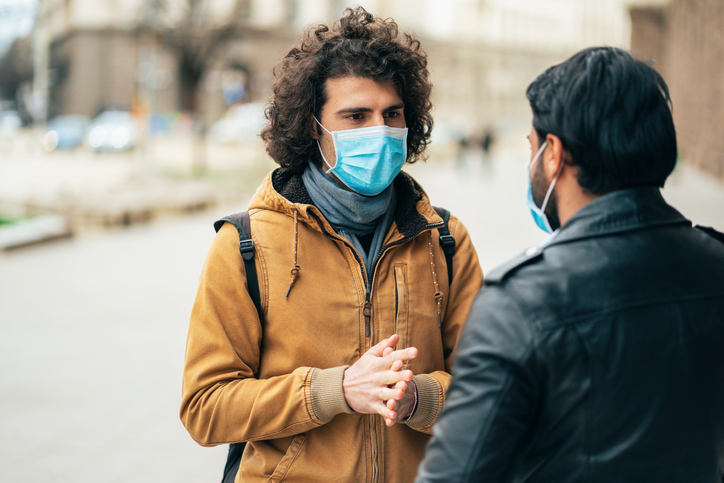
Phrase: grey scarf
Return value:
(352, 214)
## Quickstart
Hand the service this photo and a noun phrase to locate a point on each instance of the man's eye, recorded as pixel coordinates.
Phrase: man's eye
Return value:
(393, 114)
(355, 117)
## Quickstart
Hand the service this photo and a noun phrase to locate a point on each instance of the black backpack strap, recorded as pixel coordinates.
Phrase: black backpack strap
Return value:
(233, 461)
(246, 247)
(447, 241)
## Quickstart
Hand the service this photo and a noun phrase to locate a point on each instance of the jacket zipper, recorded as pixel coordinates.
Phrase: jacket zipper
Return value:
(373, 434)
(397, 303)
(367, 310)
(368, 316)
(370, 276)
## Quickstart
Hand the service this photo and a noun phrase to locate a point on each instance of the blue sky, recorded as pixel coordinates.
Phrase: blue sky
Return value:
(16, 20)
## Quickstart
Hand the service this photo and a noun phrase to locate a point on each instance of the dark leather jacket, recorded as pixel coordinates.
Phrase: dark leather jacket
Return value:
(599, 358)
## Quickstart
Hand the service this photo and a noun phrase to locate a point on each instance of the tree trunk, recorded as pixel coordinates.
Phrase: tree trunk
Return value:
(189, 80)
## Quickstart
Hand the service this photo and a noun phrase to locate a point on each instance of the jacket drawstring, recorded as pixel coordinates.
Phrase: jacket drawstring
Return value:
(295, 265)
(438, 293)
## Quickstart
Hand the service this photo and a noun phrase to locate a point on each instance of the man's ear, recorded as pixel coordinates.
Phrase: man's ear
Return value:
(553, 156)
(313, 128)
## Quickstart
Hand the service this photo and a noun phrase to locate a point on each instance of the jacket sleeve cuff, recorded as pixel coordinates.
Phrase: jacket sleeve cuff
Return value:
(428, 402)
(327, 394)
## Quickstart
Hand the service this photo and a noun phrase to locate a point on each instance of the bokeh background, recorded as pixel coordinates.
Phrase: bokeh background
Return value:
(128, 126)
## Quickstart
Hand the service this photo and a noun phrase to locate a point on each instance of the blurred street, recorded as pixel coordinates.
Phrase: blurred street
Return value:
(128, 126)
(93, 328)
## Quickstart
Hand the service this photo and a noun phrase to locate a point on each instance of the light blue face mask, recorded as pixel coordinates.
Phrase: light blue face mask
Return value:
(539, 213)
(368, 158)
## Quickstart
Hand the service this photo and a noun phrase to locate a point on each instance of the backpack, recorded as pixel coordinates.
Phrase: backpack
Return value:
(246, 246)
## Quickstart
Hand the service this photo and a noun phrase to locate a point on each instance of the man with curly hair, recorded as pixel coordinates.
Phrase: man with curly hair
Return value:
(347, 370)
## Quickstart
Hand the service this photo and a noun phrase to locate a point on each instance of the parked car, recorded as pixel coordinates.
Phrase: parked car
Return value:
(65, 132)
(241, 123)
(112, 131)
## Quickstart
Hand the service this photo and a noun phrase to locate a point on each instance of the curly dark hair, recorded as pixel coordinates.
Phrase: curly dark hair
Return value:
(358, 45)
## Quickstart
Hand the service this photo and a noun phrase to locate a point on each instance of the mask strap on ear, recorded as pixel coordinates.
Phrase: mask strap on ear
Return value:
(320, 124)
(550, 190)
(537, 155)
(319, 145)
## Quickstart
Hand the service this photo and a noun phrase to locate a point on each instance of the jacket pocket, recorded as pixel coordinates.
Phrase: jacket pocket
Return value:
(402, 301)
(286, 462)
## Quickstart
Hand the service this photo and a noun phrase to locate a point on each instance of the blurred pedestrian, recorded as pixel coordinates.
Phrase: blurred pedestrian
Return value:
(486, 140)
(598, 355)
(345, 372)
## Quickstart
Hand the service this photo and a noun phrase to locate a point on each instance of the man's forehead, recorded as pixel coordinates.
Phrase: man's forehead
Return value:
(360, 93)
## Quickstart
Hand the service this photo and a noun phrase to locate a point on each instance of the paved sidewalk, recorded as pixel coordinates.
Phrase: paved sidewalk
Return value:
(92, 335)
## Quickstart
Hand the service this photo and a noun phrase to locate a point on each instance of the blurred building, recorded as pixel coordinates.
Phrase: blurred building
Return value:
(686, 41)
(485, 53)
(94, 54)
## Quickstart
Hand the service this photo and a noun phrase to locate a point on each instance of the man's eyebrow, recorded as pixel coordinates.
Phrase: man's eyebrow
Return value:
(355, 110)
(395, 107)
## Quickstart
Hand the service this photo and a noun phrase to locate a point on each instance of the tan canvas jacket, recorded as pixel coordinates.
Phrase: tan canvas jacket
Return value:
(279, 385)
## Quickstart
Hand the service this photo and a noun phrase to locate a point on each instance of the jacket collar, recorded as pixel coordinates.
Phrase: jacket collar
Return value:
(617, 212)
(408, 218)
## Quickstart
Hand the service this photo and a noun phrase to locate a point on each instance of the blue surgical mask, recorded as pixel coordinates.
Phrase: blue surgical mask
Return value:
(368, 158)
(539, 214)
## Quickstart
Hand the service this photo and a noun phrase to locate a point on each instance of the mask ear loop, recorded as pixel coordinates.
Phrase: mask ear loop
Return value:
(550, 189)
(537, 155)
(320, 124)
(319, 145)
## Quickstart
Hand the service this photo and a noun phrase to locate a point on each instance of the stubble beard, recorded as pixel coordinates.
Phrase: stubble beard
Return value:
(540, 187)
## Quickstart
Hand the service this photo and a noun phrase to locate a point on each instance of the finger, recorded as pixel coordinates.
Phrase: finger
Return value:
(387, 394)
(403, 354)
(395, 377)
(391, 378)
(387, 413)
(387, 351)
(396, 365)
(401, 385)
(389, 422)
(379, 349)
(391, 403)
(392, 341)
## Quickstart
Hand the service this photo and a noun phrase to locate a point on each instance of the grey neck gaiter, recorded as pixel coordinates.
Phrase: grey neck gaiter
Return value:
(352, 214)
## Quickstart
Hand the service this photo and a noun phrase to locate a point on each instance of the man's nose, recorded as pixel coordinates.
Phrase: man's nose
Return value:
(377, 119)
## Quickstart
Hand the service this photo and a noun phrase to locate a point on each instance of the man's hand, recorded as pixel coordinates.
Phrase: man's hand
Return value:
(403, 406)
(376, 378)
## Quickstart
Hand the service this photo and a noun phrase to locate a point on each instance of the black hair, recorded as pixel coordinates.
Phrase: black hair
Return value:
(612, 114)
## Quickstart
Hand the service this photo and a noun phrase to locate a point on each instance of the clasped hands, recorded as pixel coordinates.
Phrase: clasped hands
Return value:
(376, 383)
